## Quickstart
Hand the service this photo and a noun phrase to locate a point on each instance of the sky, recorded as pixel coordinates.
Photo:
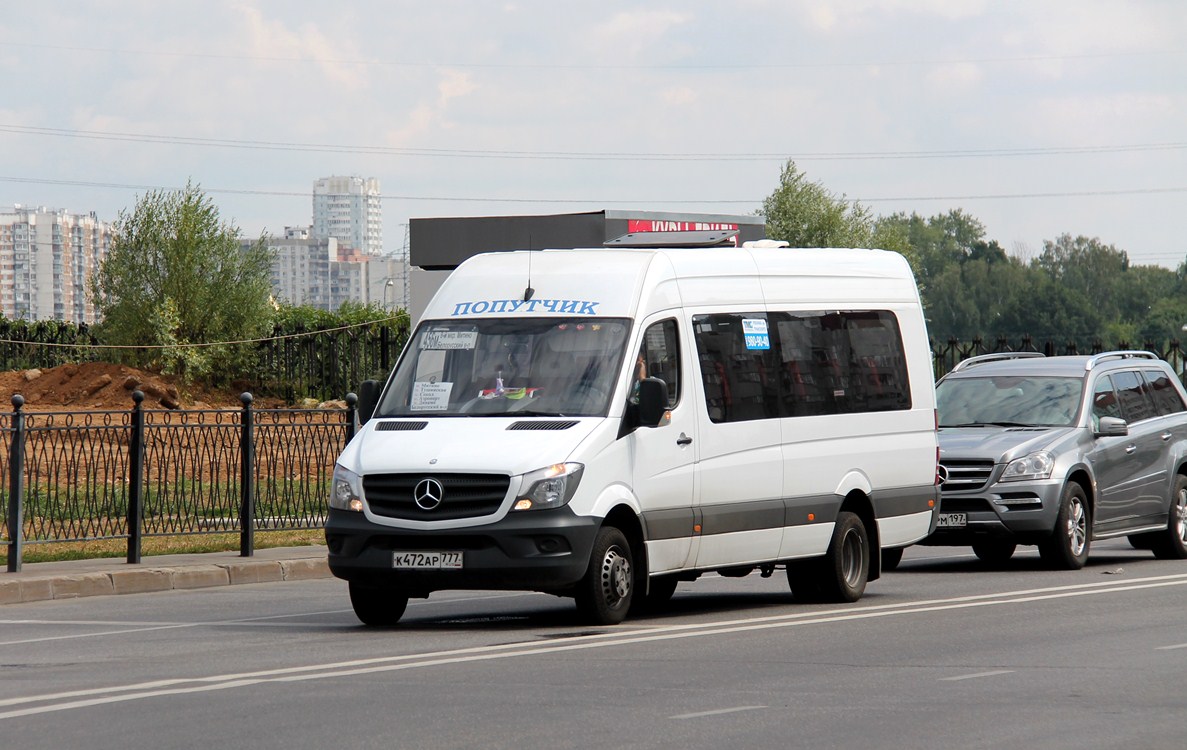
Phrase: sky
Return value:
(1036, 117)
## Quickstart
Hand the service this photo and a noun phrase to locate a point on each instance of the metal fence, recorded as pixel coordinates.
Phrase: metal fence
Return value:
(82, 476)
(945, 355)
(294, 363)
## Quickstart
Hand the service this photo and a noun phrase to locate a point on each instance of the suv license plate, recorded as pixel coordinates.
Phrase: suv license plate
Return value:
(432, 560)
(952, 520)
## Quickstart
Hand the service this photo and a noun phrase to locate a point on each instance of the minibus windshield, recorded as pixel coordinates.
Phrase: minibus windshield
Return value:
(508, 366)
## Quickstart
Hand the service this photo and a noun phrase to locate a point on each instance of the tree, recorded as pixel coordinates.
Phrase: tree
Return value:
(806, 214)
(177, 277)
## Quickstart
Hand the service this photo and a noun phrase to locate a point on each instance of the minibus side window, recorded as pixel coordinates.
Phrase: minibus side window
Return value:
(841, 363)
(738, 366)
(659, 357)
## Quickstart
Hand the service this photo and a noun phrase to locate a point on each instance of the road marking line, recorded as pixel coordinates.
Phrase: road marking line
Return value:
(976, 675)
(717, 712)
(610, 638)
(1171, 648)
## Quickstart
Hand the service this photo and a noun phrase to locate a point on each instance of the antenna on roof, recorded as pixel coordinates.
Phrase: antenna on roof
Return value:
(528, 291)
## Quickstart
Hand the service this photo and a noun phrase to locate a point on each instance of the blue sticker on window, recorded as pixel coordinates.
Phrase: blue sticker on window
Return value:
(754, 330)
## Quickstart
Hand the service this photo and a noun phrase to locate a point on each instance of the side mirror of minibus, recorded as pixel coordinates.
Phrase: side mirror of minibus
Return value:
(368, 400)
(1112, 427)
(653, 401)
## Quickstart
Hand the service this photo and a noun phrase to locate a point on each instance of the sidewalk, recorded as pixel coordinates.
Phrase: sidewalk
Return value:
(107, 576)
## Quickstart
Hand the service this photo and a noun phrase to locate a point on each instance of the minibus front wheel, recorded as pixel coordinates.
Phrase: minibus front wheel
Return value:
(604, 595)
(377, 606)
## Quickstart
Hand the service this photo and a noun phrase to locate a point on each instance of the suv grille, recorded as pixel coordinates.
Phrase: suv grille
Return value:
(462, 495)
(966, 475)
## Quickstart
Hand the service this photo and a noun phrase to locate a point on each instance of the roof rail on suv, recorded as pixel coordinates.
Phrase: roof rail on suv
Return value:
(1096, 359)
(964, 364)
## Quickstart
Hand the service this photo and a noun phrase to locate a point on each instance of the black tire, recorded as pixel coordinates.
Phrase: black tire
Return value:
(377, 606)
(1067, 547)
(1172, 543)
(1141, 541)
(604, 595)
(803, 576)
(845, 568)
(994, 551)
(659, 593)
(891, 557)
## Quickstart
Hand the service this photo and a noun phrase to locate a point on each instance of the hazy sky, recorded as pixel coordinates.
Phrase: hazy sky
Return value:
(1037, 117)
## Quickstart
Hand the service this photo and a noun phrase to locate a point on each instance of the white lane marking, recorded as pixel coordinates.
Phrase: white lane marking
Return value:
(178, 686)
(975, 675)
(717, 712)
(1171, 648)
(144, 627)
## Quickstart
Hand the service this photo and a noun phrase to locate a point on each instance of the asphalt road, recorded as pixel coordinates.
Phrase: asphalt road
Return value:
(943, 653)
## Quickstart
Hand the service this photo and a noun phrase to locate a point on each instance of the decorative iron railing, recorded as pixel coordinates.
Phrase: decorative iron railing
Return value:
(945, 355)
(80, 476)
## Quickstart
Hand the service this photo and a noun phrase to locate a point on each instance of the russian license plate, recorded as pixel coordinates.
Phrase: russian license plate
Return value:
(952, 520)
(432, 560)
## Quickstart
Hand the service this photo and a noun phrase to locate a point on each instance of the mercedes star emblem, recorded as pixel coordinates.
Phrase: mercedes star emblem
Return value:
(428, 494)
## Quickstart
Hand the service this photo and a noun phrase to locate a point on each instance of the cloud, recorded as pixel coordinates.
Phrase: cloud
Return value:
(430, 116)
(630, 34)
(272, 39)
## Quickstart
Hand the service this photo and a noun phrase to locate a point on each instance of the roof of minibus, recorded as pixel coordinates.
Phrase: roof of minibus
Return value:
(611, 282)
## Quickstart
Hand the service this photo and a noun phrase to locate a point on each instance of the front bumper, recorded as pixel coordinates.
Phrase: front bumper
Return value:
(547, 550)
(1022, 511)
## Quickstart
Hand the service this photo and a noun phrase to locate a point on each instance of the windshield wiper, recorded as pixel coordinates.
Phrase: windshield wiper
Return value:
(532, 413)
(988, 424)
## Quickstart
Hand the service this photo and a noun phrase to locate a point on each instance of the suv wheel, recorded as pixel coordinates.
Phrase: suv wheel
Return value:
(1067, 547)
(994, 551)
(1172, 543)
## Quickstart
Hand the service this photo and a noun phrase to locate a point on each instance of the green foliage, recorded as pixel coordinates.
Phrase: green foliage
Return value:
(806, 214)
(177, 278)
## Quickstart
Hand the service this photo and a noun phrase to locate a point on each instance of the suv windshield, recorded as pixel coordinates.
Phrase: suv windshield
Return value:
(1009, 400)
(537, 366)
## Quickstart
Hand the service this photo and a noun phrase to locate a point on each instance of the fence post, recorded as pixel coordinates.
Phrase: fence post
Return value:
(16, 487)
(136, 480)
(352, 410)
(247, 454)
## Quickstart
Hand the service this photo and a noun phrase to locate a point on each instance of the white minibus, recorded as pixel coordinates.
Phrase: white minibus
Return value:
(605, 423)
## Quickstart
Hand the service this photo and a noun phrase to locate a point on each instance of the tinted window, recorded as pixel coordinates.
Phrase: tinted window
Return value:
(834, 363)
(758, 366)
(1104, 401)
(738, 366)
(659, 357)
(1166, 397)
(1136, 404)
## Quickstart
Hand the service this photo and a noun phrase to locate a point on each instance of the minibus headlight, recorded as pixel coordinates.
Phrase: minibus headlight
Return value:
(550, 487)
(346, 492)
(1035, 466)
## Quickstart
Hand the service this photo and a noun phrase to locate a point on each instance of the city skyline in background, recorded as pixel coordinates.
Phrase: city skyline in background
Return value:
(1037, 119)
(49, 254)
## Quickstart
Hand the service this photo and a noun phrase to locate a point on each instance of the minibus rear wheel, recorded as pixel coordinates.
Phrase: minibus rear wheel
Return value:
(604, 595)
(846, 566)
(377, 606)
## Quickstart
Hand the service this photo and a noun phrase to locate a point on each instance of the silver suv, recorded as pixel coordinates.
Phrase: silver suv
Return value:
(1059, 451)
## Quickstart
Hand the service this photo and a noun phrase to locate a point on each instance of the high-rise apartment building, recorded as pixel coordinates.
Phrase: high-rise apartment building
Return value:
(348, 209)
(47, 259)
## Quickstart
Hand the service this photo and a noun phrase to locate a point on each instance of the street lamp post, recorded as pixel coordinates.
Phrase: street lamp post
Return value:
(387, 284)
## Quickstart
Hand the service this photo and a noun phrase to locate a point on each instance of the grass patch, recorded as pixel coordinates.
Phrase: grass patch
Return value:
(162, 545)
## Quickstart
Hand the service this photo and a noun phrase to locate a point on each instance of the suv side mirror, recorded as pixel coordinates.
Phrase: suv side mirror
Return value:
(653, 401)
(368, 400)
(1112, 427)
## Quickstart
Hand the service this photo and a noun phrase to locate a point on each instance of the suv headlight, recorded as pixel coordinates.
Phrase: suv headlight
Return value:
(550, 487)
(1035, 466)
(346, 491)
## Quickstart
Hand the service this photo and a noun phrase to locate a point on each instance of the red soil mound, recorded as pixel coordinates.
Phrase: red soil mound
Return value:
(98, 385)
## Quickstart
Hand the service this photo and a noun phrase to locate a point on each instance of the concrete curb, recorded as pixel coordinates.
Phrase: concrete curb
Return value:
(139, 579)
